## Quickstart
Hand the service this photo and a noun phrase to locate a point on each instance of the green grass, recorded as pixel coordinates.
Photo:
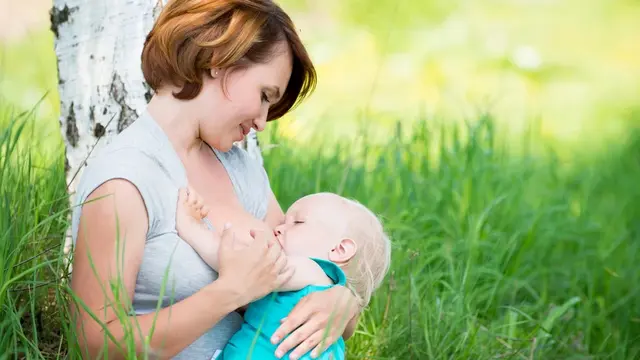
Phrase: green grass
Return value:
(32, 223)
(497, 253)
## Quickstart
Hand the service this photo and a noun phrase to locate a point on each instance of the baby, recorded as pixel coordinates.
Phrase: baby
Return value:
(329, 240)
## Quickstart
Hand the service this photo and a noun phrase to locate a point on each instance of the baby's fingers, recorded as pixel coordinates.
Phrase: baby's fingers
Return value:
(193, 196)
(204, 211)
(199, 202)
(183, 195)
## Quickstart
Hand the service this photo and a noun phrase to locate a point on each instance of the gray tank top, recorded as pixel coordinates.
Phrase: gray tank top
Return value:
(143, 155)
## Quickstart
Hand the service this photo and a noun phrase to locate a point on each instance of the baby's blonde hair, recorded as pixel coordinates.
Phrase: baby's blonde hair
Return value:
(368, 268)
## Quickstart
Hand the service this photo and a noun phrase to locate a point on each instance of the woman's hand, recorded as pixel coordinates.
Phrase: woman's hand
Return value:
(319, 319)
(251, 266)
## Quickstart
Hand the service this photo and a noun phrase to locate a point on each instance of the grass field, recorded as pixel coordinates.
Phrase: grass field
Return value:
(496, 254)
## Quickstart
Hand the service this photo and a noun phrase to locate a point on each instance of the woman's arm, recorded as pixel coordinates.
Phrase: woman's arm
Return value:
(113, 263)
(351, 325)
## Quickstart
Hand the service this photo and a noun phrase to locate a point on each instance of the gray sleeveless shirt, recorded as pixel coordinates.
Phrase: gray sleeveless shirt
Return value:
(143, 155)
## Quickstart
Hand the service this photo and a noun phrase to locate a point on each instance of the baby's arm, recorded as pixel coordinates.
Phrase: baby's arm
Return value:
(191, 229)
(205, 242)
(306, 272)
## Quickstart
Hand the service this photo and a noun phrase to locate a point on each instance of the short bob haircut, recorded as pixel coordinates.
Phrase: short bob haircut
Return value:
(190, 37)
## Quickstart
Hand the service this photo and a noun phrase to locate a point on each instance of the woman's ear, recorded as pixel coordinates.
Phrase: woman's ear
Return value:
(343, 251)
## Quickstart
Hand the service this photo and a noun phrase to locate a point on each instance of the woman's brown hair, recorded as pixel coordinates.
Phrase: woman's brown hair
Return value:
(190, 37)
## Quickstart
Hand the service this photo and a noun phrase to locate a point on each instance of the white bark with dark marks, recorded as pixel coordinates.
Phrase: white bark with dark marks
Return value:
(101, 87)
(102, 90)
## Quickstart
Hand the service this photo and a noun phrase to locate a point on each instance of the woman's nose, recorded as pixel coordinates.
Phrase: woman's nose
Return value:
(260, 122)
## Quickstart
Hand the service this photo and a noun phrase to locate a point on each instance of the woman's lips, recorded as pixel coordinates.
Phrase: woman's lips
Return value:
(242, 134)
(243, 131)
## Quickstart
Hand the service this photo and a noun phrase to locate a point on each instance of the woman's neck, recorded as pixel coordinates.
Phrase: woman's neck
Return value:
(179, 125)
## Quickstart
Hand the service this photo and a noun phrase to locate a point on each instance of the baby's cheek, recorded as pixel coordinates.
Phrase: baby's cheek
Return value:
(295, 249)
(291, 250)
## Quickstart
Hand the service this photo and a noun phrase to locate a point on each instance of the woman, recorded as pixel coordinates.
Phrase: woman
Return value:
(218, 68)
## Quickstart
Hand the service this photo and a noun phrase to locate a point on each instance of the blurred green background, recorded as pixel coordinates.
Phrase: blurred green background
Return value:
(570, 68)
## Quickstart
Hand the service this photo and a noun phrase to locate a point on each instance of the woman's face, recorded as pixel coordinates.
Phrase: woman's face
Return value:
(250, 92)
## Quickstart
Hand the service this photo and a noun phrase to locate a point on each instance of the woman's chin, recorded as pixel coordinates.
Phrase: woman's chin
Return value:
(226, 144)
(220, 145)
(225, 147)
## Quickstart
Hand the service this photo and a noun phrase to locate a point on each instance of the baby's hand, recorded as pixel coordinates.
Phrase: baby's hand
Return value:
(190, 212)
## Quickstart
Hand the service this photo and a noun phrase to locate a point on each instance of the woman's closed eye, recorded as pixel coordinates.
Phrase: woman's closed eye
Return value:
(265, 98)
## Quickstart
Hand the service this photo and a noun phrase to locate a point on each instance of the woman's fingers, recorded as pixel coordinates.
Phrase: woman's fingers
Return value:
(285, 275)
(325, 311)
(259, 238)
(267, 239)
(255, 267)
(281, 262)
(227, 238)
(315, 336)
(300, 314)
(326, 339)
(301, 335)
(319, 342)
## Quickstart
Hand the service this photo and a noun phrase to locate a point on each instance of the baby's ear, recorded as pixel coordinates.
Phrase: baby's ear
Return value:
(343, 251)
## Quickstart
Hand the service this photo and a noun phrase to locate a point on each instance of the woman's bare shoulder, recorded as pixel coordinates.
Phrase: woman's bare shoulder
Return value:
(133, 179)
(116, 197)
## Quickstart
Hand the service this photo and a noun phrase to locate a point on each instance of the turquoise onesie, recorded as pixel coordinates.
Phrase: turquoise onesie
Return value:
(262, 318)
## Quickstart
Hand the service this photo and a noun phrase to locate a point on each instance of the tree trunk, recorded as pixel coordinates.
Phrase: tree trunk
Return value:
(101, 87)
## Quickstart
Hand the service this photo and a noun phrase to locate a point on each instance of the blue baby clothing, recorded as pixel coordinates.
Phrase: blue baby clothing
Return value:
(262, 318)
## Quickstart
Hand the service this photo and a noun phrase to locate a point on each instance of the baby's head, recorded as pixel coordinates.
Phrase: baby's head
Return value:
(330, 227)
